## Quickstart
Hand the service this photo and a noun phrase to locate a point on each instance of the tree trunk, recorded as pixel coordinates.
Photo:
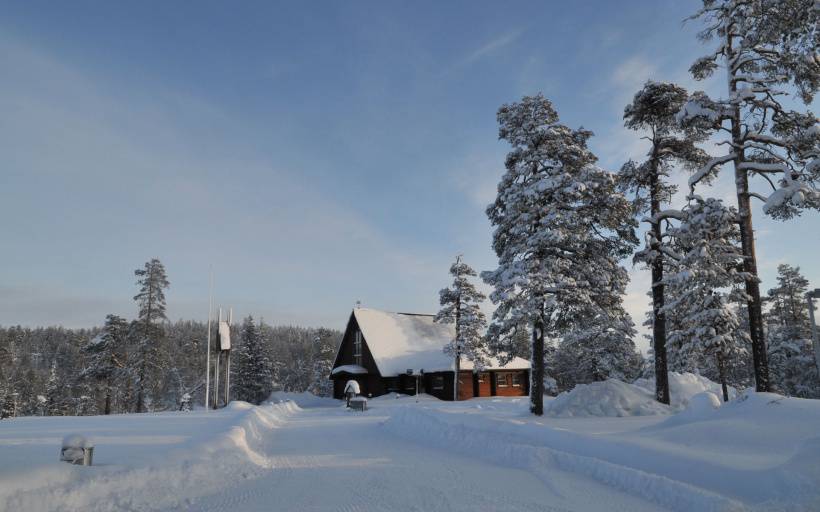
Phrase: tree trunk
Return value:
(721, 364)
(537, 370)
(107, 409)
(659, 318)
(458, 350)
(747, 241)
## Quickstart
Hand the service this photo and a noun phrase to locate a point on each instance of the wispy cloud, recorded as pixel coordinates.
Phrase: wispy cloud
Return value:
(493, 45)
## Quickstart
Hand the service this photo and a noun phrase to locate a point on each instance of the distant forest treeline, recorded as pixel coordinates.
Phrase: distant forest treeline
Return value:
(45, 370)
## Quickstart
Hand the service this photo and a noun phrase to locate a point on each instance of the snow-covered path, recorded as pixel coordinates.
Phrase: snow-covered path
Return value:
(332, 459)
(759, 453)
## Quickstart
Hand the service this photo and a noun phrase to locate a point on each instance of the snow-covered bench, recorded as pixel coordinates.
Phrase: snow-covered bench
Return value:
(358, 403)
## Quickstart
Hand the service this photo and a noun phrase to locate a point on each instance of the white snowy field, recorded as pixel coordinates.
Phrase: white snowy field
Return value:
(757, 453)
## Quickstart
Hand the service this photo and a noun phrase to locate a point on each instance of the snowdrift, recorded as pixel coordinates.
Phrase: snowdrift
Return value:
(611, 398)
(683, 386)
(614, 398)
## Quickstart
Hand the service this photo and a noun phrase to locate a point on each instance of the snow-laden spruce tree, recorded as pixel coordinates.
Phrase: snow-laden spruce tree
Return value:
(709, 268)
(765, 48)
(791, 354)
(55, 404)
(148, 329)
(105, 360)
(597, 352)
(561, 228)
(653, 112)
(461, 306)
(252, 379)
(324, 354)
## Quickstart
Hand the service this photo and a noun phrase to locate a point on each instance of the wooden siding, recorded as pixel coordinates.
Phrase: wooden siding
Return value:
(504, 383)
(465, 385)
(483, 384)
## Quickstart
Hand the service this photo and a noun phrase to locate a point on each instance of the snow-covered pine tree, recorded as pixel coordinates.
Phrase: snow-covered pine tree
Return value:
(709, 268)
(104, 353)
(324, 355)
(55, 400)
(652, 112)
(252, 371)
(791, 356)
(598, 352)
(764, 46)
(148, 329)
(461, 306)
(561, 228)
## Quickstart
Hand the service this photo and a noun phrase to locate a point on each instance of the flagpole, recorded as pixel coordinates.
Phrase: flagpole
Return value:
(208, 354)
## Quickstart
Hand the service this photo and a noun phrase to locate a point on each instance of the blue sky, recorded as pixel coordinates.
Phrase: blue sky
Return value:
(313, 153)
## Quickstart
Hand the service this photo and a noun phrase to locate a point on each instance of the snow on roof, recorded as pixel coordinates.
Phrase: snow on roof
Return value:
(406, 341)
(349, 368)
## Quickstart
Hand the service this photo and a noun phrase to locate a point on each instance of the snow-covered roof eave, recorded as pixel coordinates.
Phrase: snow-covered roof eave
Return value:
(352, 369)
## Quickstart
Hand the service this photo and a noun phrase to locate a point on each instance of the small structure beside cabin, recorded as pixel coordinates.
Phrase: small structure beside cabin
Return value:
(404, 352)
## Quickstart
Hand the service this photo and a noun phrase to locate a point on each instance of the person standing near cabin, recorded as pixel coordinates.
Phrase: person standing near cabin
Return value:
(351, 390)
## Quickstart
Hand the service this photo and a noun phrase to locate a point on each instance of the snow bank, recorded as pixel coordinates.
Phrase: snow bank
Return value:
(611, 398)
(303, 399)
(200, 452)
(683, 386)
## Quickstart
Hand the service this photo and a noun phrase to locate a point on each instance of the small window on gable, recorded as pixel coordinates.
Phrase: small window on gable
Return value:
(357, 348)
(438, 382)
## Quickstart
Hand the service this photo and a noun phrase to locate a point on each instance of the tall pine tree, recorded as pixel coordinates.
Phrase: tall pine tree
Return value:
(148, 330)
(561, 228)
(764, 46)
(461, 306)
(653, 111)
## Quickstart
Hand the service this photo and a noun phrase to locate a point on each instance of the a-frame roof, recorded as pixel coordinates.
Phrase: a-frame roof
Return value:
(406, 341)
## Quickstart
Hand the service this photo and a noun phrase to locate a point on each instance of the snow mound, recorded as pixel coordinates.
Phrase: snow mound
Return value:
(683, 386)
(77, 441)
(700, 407)
(611, 398)
(304, 399)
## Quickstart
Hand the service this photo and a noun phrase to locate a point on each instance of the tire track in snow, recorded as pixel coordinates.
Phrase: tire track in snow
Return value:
(544, 462)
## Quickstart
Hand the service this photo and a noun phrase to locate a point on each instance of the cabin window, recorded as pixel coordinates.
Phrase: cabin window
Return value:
(438, 382)
(503, 380)
(516, 380)
(357, 348)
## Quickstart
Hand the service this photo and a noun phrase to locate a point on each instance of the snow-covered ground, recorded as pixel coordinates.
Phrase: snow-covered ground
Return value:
(761, 452)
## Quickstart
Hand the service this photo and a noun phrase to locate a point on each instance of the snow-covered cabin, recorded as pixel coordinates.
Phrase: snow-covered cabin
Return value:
(400, 352)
